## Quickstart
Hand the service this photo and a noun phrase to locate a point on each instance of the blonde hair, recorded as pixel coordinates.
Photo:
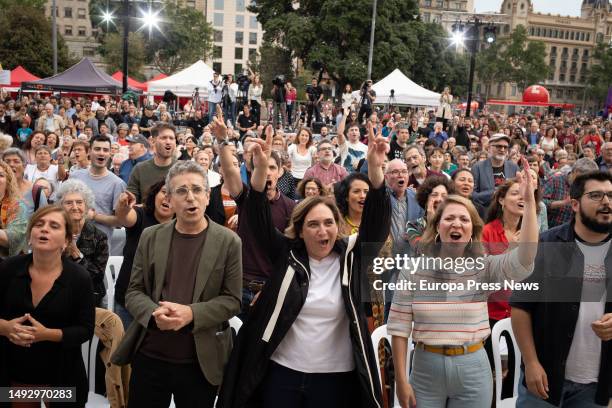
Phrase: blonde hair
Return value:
(12, 189)
(430, 235)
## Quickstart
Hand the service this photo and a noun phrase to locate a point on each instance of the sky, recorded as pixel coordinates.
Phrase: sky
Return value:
(563, 7)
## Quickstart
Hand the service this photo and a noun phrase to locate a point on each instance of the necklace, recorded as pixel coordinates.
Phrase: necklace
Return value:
(354, 227)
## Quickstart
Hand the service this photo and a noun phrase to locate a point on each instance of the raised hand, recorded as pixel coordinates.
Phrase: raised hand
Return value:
(127, 200)
(526, 184)
(378, 147)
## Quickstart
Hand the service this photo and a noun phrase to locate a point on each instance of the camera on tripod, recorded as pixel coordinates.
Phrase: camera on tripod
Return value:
(243, 83)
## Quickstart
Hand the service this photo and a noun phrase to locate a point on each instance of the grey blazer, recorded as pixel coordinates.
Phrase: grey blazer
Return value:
(216, 296)
(484, 184)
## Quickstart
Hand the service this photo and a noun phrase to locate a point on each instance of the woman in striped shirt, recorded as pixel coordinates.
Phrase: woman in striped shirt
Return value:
(450, 367)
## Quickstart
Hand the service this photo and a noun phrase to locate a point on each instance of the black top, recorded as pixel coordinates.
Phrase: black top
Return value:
(132, 236)
(68, 306)
(554, 308)
(245, 122)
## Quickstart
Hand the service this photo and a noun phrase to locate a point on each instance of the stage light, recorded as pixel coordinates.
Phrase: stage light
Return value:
(490, 34)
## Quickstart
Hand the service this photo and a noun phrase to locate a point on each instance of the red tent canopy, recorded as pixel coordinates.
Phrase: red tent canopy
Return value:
(158, 77)
(19, 75)
(132, 83)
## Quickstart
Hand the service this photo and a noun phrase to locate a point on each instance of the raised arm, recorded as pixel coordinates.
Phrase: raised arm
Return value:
(528, 247)
(342, 126)
(125, 213)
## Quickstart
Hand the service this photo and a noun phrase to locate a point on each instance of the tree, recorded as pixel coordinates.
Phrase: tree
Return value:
(599, 77)
(25, 39)
(337, 32)
(525, 59)
(490, 68)
(270, 61)
(112, 53)
(185, 37)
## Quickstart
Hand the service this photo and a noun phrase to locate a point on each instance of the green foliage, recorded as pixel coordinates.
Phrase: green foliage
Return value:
(599, 78)
(38, 4)
(112, 54)
(269, 62)
(25, 39)
(337, 33)
(185, 37)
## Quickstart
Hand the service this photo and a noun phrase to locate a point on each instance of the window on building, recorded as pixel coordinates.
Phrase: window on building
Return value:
(558, 93)
(240, 5)
(239, 21)
(252, 52)
(68, 12)
(582, 35)
(513, 90)
(553, 62)
(582, 78)
(499, 88)
(68, 30)
(82, 13)
(506, 28)
(440, 3)
(538, 32)
(238, 53)
(585, 53)
(569, 93)
(531, 31)
(89, 51)
(253, 38)
(572, 35)
(218, 19)
(219, 5)
(554, 33)
(82, 32)
(599, 38)
(427, 3)
(426, 17)
(218, 35)
(574, 65)
(584, 66)
(588, 36)
(239, 37)
(191, 3)
(253, 22)
(551, 75)
(522, 6)
(562, 77)
(458, 6)
(237, 69)
(575, 51)
(572, 78)
(217, 51)
(565, 52)
(553, 50)
(216, 66)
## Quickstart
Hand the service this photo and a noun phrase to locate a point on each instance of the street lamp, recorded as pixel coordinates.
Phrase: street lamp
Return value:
(150, 19)
(473, 45)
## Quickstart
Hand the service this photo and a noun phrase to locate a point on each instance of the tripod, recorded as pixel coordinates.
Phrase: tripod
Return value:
(391, 102)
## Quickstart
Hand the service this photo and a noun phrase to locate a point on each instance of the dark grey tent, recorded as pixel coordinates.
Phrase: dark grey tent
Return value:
(83, 77)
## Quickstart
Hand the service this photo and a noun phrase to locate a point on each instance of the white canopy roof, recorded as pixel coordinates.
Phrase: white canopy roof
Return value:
(184, 82)
(406, 91)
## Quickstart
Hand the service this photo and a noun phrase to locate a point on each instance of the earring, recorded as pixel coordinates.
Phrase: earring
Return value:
(437, 237)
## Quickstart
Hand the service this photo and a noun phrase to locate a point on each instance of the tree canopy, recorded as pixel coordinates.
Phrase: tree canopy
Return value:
(599, 78)
(112, 54)
(269, 62)
(25, 39)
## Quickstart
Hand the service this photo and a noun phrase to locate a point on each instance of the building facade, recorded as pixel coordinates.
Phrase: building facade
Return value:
(570, 42)
(74, 24)
(445, 12)
(237, 35)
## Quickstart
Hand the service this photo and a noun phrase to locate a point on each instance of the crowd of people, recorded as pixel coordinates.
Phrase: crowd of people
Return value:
(226, 215)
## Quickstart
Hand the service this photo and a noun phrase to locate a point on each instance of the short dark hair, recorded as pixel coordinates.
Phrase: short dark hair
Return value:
(578, 186)
(101, 138)
(428, 185)
(162, 126)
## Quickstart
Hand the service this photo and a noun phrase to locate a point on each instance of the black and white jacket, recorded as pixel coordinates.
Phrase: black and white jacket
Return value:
(284, 295)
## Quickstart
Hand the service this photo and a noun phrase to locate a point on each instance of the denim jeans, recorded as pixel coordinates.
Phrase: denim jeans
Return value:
(124, 315)
(574, 395)
(284, 387)
(212, 111)
(247, 298)
(463, 381)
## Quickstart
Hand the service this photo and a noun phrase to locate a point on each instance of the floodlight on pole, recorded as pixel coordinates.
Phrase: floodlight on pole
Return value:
(490, 34)
(150, 19)
(107, 16)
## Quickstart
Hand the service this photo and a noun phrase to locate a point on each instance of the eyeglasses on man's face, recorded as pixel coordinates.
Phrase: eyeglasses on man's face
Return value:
(500, 147)
(398, 172)
(183, 191)
(599, 195)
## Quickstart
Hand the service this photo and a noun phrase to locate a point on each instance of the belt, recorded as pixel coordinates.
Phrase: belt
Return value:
(452, 350)
(253, 285)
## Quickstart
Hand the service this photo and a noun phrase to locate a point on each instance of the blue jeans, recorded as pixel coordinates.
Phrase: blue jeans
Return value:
(463, 381)
(212, 111)
(124, 315)
(247, 298)
(574, 395)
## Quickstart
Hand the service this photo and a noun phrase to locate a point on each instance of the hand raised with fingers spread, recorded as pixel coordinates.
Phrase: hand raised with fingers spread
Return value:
(525, 181)
(218, 128)
(378, 147)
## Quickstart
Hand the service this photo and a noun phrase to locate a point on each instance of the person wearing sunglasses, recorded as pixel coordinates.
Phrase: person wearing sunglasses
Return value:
(494, 171)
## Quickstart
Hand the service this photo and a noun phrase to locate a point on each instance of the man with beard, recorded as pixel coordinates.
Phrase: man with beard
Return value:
(101, 119)
(494, 171)
(564, 329)
(400, 142)
(147, 173)
(326, 170)
(147, 121)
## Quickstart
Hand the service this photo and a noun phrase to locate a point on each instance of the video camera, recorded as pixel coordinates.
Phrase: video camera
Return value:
(243, 82)
(279, 80)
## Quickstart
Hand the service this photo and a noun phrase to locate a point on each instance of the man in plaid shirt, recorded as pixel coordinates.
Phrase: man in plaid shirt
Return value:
(556, 192)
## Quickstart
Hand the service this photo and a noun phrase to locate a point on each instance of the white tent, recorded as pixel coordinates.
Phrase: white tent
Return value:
(406, 91)
(184, 82)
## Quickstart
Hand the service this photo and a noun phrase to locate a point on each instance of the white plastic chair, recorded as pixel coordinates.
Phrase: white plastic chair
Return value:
(379, 334)
(111, 273)
(93, 400)
(501, 326)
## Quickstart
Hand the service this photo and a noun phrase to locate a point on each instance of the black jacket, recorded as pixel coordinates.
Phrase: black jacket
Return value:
(93, 244)
(264, 329)
(559, 269)
(68, 306)
(214, 209)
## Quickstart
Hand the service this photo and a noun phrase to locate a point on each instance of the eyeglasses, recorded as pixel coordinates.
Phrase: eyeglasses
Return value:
(500, 147)
(329, 148)
(599, 195)
(183, 191)
(398, 172)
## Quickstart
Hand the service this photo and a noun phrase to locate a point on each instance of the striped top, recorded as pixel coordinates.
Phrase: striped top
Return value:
(457, 317)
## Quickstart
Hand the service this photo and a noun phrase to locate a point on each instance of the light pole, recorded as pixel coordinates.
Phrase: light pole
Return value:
(474, 44)
(54, 34)
(372, 31)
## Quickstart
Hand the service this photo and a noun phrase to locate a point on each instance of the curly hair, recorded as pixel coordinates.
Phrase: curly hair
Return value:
(341, 190)
(73, 186)
(12, 190)
(428, 186)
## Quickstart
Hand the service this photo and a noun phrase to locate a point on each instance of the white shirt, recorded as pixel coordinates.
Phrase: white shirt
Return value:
(214, 96)
(32, 173)
(319, 340)
(582, 364)
(233, 91)
(351, 153)
(300, 163)
(214, 178)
